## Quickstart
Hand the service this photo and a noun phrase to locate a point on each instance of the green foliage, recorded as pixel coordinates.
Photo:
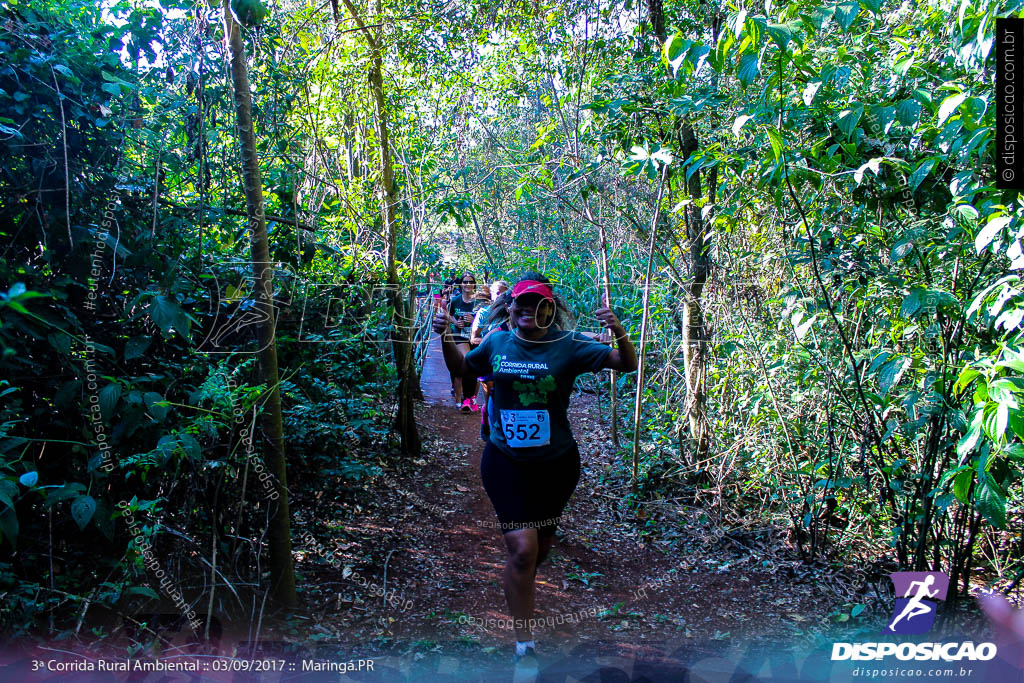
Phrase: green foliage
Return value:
(120, 265)
(249, 13)
(869, 149)
(863, 307)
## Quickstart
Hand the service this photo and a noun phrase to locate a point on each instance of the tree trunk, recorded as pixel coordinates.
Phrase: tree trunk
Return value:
(282, 570)
(656, 13)
(479, 232)
(415, 226)
(402, 330)
(695, 332)
(401, 342)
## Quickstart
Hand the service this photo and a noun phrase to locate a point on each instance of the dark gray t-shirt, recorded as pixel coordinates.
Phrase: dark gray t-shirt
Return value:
(532, 384)
(459, 307)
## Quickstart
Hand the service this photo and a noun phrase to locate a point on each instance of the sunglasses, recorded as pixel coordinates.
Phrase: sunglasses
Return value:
(469, 282)
(529, 298)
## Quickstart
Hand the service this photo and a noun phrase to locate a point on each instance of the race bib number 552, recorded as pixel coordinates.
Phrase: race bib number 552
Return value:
(526, 428)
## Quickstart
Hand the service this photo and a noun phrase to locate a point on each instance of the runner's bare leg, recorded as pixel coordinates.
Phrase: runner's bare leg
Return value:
(520, 572)
(457, 381)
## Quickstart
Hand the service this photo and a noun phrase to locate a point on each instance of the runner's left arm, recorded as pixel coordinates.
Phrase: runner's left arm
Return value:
(476, 329)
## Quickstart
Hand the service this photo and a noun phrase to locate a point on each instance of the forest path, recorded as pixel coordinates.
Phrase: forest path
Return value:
(429, 533)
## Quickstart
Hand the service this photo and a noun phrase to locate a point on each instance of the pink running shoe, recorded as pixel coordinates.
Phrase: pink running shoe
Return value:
(466, 407)
(473, 405)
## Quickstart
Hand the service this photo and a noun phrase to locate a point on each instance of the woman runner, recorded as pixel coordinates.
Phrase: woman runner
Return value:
(531, 463)
(461, 308)
(436, 287)
(483, 322)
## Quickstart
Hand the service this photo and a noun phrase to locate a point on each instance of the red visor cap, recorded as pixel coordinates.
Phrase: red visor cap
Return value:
(533, 287)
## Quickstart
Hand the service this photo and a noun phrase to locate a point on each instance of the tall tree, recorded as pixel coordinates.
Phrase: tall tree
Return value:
(402, 331)
(695, 328)
(282, 570)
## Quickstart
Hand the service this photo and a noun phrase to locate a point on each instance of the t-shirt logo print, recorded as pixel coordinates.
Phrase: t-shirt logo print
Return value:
(535, 392)
(917, 593)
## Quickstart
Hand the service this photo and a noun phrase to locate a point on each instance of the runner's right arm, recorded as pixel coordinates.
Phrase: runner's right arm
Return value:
(453, 358)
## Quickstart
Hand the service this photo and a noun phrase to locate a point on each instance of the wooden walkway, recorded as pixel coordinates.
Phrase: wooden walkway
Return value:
(435, 381)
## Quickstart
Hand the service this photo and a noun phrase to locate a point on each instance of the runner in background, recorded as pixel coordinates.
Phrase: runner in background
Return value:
(436, 288)
(531, 463)
(446, 295)
(481, 322)
(461, 308)
(422, 292)
(492, 317)
(446, 290)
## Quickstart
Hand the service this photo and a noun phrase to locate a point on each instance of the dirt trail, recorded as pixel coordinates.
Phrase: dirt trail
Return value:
(428, 534)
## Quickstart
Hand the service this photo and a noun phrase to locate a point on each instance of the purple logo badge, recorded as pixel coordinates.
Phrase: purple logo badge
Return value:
(917, 594)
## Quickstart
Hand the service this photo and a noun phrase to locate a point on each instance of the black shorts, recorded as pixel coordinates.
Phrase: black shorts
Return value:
(529, 494)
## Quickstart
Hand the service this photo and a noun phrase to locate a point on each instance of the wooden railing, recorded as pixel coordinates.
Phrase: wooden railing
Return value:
(421, 336)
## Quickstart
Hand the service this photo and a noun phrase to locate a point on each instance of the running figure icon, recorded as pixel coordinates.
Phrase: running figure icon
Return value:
(915, 608)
